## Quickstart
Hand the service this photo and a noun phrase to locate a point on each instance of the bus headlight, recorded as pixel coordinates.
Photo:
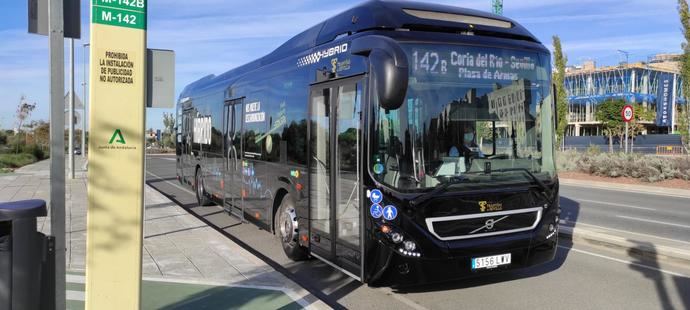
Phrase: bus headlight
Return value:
(397, 237)
(410, 245)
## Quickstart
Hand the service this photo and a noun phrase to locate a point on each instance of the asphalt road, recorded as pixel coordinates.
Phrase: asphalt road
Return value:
(581, 277)
(661, 217)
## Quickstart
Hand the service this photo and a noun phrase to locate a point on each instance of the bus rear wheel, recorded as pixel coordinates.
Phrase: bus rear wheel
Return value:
(287, 230)
(201, 196)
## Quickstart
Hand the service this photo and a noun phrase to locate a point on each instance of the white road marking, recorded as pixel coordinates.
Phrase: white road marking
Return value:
(76, 279)
(622, 189)
(571, 224)
(75, 295)
(626, 262)
(614, 204)
(165, 158)
(652, 221)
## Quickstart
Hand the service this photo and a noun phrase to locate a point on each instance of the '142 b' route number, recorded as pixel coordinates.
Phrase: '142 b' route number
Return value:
(130, 3)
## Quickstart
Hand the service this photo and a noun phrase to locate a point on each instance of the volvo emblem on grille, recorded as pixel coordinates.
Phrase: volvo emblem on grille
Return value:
(489, 224)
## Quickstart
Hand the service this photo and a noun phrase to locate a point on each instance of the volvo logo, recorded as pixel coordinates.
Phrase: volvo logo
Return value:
(489, 224)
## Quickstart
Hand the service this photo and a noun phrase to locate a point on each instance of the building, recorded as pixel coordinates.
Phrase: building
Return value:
(654, 84)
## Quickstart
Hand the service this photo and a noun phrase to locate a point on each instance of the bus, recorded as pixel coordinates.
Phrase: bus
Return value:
(398, 142)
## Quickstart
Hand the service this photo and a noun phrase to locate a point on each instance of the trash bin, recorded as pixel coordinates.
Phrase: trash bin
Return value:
(23, 253)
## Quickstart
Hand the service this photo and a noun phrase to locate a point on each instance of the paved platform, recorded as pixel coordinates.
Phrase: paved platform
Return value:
(186, 264)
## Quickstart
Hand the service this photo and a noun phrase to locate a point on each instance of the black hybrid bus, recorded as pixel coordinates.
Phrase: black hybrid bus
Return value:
(399, 142)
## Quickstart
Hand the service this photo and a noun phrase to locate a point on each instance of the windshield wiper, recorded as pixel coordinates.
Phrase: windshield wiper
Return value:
(545, 189)
(450, 180)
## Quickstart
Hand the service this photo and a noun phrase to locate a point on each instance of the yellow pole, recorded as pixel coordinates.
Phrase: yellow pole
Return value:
(116, 154)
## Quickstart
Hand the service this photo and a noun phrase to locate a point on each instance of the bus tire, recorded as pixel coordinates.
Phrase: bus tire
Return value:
(286, 224)
(201, 196)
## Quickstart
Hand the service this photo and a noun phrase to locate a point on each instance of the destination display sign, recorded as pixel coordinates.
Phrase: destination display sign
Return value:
(455, 63)
(120, 13)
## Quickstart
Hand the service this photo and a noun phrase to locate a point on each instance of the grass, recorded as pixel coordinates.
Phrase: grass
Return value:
(12, 161)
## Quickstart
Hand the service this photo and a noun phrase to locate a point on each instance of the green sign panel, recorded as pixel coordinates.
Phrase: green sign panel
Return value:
(121, 13)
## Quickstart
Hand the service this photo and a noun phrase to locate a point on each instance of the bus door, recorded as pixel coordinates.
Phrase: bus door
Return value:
(335, 187)
(187, 156)
(232, 179)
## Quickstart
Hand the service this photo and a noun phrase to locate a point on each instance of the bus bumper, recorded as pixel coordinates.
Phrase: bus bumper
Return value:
(405, 271)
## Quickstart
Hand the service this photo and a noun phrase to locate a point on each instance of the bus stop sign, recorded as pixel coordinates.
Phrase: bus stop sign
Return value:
(627, 113)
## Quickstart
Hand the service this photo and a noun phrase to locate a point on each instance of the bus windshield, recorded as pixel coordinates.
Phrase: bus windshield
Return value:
(479, 115)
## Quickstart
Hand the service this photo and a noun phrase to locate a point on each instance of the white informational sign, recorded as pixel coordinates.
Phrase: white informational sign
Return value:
(508, 103)
(252, 113)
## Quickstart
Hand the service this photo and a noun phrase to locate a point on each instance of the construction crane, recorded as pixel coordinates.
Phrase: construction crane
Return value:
(497, 6)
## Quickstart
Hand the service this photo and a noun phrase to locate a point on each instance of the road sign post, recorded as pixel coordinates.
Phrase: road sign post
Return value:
(627, 114)
(116, 154)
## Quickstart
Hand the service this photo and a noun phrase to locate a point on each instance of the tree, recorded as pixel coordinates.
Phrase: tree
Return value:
(635, 127)
(609, 114)
(684, 14)
(169, 122)
(24, 110)
(560, 61)
(168, 133)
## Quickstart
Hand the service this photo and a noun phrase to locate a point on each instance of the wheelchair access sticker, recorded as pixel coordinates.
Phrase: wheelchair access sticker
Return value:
(376, 211)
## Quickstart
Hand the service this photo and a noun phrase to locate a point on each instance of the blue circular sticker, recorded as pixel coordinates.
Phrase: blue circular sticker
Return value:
(376, 196)
(390, 212)
(376, 211)
(378, 168)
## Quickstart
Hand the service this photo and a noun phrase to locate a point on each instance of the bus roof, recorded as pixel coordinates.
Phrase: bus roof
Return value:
(379, 15)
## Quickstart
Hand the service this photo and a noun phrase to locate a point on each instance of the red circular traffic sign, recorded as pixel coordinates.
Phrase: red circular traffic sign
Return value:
(627, 113)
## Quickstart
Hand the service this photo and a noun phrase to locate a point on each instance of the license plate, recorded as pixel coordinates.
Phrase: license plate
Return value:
(489, 262)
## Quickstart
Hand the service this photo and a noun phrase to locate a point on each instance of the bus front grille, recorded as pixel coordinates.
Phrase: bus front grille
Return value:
(483, 224)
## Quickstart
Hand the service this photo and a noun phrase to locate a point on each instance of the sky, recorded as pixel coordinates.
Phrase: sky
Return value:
(214, 36)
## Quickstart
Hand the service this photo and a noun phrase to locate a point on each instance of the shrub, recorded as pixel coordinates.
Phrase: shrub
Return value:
(16, 160)
(646, 168)
(565, 161)
(593, 149)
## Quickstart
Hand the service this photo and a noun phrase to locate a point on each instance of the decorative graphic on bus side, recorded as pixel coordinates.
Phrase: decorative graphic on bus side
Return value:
(317, 56)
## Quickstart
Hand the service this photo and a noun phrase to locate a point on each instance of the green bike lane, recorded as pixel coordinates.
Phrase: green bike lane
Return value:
(178, 294)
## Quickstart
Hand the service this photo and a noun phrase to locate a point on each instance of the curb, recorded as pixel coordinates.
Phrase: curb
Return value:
(630, 188)
(646, 250)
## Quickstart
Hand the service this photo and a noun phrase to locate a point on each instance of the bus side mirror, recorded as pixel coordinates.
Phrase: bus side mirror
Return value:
(389, 68)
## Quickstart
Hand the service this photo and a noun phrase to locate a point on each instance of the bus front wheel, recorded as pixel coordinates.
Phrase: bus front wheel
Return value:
(201, 197)
(287, 226)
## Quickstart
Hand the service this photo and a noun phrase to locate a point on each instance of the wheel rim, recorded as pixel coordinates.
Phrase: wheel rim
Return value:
(288, 226)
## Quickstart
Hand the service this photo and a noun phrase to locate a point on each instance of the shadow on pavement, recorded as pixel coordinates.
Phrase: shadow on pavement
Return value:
(303, 273)
(648, 265)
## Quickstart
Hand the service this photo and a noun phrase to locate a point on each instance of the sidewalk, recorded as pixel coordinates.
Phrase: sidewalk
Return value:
(186, 264)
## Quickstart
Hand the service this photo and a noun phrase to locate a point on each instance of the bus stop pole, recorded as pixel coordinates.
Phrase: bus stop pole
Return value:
(84, 83)
(70, 114)
(57, 145)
